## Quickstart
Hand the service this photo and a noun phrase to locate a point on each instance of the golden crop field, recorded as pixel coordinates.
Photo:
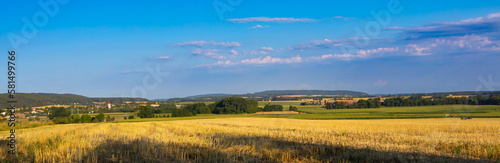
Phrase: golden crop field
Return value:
(262, 140)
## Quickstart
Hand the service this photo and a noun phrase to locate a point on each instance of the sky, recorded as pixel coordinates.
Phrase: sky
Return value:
(165, 49)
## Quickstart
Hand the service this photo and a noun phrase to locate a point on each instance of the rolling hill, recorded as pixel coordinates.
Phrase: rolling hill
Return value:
(40, 99)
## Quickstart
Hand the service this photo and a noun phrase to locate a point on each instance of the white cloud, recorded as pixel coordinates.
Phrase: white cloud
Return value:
(208, 43)
(360, 54)
(256, 61)
(415, 49)
(209, 53)
(494, 15)
(162, 58)
(269, 59)
(478, 26)
(271, 20)
(259, 51)
(453, 45)
(366, 53)
(233, 52)
(259, 26)
(344, 18)
(267, 48)
(316, 44)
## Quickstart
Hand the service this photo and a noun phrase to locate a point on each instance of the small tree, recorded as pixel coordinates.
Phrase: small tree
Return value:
(59, 112)
(86, 118)
(100, 117)
(145, 112)
(125, 118)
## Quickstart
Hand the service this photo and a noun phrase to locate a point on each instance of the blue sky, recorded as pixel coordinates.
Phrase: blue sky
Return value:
(164, 49)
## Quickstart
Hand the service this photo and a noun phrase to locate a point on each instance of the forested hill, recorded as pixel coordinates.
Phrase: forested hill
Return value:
(309, 92)
(40, 99)
(270, 94)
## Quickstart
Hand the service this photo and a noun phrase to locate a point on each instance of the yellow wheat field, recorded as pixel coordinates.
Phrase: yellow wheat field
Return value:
(262, 140)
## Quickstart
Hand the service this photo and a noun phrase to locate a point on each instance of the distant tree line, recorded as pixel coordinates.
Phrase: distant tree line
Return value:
(234, 105)
(370, 103)
(293, 108)
(165, 108)
(228, 105)
(61, 115)
(415, 100)
(273, 107)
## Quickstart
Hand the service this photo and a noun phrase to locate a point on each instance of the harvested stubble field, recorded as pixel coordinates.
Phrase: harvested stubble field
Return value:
(262, 140)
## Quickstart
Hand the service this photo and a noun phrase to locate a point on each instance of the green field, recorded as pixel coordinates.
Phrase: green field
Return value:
(317, 112)
(474, 111)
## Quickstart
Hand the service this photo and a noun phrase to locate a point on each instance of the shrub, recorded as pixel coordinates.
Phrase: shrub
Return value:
(234, 105)
(293, 108)
(100, 117)
(198, 108)
(272, 107)
(131, 117)
(181, 113)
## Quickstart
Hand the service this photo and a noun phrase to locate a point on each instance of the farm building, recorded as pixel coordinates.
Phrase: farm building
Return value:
(19, 115)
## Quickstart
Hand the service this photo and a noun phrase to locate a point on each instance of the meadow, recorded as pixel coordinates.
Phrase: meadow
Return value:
(253, 139)
(437, 111)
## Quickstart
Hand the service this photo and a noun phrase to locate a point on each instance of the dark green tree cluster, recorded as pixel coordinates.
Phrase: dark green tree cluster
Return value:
(59, 112)
(293, 108)
(165, 108)
(414, 100)
(100, 117)
(60, 115)
(145, 112)
(181, 113)
(273, 107)
(370, 103)
(85, 118)
(198, 108)
(124, 108)
(234, 105)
